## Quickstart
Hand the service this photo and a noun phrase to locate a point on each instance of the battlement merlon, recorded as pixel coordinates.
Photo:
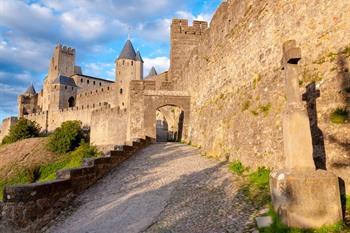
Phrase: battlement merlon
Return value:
(65, 49)
(181, 26)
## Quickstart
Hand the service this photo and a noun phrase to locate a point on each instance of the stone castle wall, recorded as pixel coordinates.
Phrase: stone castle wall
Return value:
(87, 82)
(49, 121)
(6, 125)
(109, 126)
(97, 96)
(183, 38)
(235, 81)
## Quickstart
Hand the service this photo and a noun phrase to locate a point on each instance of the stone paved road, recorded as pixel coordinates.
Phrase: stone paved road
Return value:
(164, 188)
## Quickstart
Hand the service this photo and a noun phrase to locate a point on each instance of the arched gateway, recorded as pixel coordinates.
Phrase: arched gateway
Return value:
(154, 101)
(145, 101)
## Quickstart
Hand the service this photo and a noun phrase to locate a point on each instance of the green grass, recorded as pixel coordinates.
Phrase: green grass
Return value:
(278, 227)
(339, 116)
(236, 167)
(48, 172)
(257, 189)
(23, 176)
(71, 160)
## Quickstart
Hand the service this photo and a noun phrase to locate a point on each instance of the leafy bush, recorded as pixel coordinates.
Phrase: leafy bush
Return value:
(48, 172)
(66, 138)
(236, 167)
(71, 160)
(23, 129)
(82, 152)
(339, 116)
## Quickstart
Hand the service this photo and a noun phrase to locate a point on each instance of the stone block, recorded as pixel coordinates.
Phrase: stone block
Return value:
(263, 222)
(306, 199)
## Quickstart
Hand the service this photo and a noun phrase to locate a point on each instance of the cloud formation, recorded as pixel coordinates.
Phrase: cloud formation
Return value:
(29, 30)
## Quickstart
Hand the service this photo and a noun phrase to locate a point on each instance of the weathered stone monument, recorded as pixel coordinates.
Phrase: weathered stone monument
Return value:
(302, 196)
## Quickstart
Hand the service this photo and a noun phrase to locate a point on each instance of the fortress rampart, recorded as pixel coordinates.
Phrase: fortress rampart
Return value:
(184, 38)
(235, 70)
(110, 126)
(6, 125)
(97, 96)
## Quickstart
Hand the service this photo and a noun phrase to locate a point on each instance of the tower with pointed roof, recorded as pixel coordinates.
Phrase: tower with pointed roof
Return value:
(129, 66)
(27, 101)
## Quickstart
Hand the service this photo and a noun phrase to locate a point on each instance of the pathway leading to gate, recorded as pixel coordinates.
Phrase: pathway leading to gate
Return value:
(163, 188)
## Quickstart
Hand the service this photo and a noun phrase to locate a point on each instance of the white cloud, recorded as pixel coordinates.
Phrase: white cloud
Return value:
(100, 70)
(158, 30)
(25, 52)
(188, 15)
(160, 63)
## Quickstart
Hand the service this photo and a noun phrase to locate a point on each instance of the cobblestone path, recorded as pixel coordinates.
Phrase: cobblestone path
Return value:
(163, 188)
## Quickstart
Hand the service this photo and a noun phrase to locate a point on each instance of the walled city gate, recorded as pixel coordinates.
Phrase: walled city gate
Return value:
(154, 100)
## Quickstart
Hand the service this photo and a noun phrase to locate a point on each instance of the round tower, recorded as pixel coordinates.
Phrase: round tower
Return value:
(129, 66)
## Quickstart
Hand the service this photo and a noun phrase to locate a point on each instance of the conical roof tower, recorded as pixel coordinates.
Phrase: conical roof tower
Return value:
(128, 52)
(30, 90)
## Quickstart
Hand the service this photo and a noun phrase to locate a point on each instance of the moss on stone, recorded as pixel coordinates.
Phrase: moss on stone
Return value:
(264, 109)
(254, 112)
(339, 116)
(245, 106)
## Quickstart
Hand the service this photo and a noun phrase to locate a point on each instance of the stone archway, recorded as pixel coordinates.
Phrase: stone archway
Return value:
(169, 124)
(153, 102)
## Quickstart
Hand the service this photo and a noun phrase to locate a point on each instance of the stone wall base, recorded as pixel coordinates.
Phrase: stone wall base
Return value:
(306, 199)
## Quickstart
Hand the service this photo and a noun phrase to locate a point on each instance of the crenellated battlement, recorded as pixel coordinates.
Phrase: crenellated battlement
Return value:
(65, 49)
(181, 26)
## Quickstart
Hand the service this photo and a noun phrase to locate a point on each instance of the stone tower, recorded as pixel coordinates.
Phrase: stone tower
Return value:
(129, 66)
(62, 62)
(56, 84)
(184, 39)
(28, 102)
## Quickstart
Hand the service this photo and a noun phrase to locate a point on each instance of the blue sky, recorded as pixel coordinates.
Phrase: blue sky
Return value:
(30, 29)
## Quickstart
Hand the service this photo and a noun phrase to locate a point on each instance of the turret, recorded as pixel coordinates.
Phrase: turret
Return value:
(152, 73)
(129, 66)
(62, 64)
(28, 101)
(139, 65)
(184, 39)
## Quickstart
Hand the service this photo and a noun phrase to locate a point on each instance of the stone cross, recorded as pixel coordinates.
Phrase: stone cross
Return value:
(296, 127)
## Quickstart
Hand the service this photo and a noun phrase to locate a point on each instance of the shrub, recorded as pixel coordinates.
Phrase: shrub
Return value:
(82, 152)
(71, 160)
(23, 129)
(66, 138)
(236, 167)
(339, 116)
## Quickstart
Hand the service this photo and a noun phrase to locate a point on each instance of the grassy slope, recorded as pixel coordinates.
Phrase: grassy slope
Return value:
(20, 160)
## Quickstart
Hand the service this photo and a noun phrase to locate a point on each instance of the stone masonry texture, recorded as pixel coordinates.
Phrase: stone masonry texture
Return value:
(236, 84)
